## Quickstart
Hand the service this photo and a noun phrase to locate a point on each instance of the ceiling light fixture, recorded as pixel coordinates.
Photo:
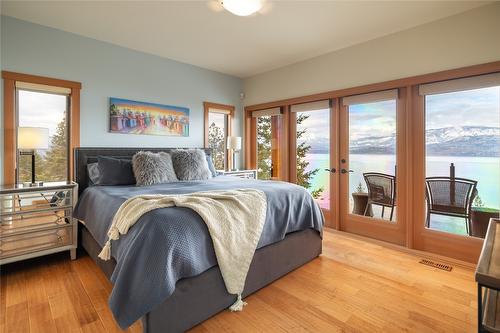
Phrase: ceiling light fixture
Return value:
(242, 7)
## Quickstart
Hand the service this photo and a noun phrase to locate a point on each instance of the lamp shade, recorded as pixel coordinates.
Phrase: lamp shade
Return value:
(32, 138)
(234, 142)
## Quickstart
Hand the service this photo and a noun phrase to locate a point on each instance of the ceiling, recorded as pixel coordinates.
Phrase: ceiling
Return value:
(193, 32)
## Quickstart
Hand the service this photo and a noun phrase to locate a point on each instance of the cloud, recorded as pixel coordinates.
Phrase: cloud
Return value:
(41, 109)
(479, 107)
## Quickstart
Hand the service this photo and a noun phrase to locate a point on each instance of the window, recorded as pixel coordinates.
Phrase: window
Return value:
(47, 111)
(53, 107)
(462, 154)
(415, 161)
(217, 129)
(269, 128)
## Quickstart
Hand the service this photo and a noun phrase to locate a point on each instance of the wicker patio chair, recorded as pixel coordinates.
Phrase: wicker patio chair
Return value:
(381, 191)
(450, 197)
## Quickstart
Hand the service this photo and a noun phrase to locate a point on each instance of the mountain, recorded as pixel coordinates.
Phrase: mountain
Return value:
(449, 141)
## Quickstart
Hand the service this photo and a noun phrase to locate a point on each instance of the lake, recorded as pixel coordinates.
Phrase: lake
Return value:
(485, 170)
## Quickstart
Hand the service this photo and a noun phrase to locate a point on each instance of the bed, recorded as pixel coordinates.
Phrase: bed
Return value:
(193, 289)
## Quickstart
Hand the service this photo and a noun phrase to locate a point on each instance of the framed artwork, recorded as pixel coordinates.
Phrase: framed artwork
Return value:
(133, 117)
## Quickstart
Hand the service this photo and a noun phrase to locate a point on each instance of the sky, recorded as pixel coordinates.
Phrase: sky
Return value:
(372, 119)
(218, 118)
(41, 110)
(478, 107)
(317, 125)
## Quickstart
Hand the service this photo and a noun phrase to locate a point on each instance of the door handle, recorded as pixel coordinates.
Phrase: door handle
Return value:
(345, 171)
(332, 170)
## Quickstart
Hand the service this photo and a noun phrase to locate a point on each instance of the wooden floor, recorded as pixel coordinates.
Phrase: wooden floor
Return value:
(355, 286)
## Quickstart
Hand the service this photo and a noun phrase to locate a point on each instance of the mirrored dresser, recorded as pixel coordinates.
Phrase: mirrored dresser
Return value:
(35, 221)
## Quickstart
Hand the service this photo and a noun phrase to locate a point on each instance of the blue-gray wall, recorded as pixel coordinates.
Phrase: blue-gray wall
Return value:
(107, 70)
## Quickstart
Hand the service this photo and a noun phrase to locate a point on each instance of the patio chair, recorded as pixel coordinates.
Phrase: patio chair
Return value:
(381, 191)
(450, 197)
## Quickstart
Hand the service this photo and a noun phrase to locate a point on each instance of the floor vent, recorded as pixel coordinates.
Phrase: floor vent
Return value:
(431, 263)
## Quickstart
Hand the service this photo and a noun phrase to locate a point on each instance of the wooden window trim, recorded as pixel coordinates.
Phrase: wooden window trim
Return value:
(207, 107)
(9, 104)
(417, 237)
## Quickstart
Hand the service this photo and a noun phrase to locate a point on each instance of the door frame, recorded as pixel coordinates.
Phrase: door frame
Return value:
(370, 226)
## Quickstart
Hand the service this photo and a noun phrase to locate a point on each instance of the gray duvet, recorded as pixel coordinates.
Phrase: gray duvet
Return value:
(169, 244)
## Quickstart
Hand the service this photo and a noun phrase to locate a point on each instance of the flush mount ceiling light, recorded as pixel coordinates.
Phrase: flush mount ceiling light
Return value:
(242, 7)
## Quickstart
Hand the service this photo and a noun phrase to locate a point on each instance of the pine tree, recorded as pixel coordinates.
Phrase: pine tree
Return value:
(216, 142)
(24, 168)
(56, 159)
(264, 147)
(304, 177)
(264, 136)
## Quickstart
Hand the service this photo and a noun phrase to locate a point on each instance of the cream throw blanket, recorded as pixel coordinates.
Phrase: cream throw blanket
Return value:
(235, 219)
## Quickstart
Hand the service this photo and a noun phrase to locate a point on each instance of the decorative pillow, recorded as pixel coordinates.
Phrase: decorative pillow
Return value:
(190, 164)
(211, 166)
(150, 168)
(93, 172)
(114, 171)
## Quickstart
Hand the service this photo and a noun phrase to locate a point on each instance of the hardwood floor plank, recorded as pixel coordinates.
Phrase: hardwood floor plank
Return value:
(17, 318)
(355, 286)
(40, 318)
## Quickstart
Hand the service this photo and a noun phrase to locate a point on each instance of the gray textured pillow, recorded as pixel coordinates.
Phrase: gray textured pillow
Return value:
(93, 172)
(190, 164)
(150, 168)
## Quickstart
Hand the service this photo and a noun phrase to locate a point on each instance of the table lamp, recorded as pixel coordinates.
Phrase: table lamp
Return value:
(234, 144)
(29, 139)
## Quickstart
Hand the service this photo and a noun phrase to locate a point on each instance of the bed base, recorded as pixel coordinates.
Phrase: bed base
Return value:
(198, 298)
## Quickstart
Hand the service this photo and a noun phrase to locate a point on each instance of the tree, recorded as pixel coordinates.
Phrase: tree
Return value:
(25, 167)
(216, 142)
(305, 177)
(478, 202)
(56, 158)
(264, 147)
(264, 157)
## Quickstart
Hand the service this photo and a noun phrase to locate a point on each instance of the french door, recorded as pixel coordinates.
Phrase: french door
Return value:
(372, 165)
(313, 153)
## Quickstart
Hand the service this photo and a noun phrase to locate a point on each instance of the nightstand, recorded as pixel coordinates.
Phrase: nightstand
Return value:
(35, 221)
(247, 174)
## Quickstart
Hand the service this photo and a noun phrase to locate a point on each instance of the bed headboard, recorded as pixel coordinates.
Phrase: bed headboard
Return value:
(84, 156)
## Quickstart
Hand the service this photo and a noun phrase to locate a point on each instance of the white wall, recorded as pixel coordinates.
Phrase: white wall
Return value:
(106, 70)
(462, 40)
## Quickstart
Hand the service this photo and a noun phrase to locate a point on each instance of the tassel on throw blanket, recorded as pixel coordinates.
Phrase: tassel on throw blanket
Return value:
(235, 219)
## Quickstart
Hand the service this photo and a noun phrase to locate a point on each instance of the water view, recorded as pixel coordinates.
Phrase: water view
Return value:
(465, 167)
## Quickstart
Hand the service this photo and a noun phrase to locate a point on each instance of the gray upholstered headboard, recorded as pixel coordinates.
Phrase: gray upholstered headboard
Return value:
(84, 156)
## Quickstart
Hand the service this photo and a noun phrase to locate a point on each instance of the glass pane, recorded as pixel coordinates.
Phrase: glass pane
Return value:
(45, 110)
(462, 160)
(313, 154)
(217, 134)
(264, 154)
(372, 159)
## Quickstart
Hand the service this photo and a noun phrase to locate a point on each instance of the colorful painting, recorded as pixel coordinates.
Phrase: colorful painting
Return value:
(132, 117)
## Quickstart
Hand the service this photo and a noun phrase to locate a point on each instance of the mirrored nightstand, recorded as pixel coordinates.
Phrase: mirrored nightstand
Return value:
(35, 221)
